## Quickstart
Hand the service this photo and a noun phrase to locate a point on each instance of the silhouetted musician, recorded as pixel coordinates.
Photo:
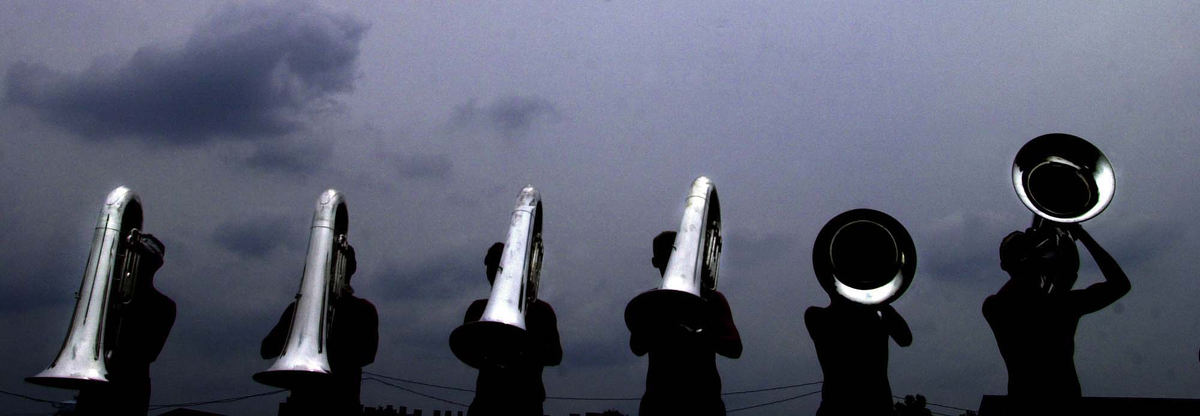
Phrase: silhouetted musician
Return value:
(146, 316)
(682, 378)
(1035, 314)
(353, 341)
(516, 389)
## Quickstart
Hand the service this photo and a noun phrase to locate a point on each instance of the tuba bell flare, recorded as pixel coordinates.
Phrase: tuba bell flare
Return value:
(1063, 178)
(692, 267)
(305, 356)
(110, 274)
(864, 256)
(498, 337)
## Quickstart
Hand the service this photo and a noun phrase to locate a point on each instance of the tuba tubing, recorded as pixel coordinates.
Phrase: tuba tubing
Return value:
(498, 337)
(81, 360)
(693, 263)
(305, 356)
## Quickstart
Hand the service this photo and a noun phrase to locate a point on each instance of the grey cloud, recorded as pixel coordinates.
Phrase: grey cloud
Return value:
(424, 166)
(37, 280)
(442, 277)
(255, 237)
(963, 246)
(595, 354)
(745, 249)
(292, 157)
(1141, 240)
(249, 71)
(510, 116)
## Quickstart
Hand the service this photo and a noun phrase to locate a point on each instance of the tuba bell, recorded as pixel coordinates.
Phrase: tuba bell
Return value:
(864, 256)
(108, 283)
(692, 267)
(305, 357)
(497, 338)
(1062, 179)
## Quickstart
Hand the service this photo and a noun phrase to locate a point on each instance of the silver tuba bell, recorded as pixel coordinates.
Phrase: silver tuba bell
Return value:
(692, 267)
(1062, 179)
(497, 338)
(108, 282)
(304, 359)
(864, 256)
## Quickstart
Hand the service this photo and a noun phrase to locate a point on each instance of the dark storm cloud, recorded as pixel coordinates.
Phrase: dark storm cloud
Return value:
(595, 354)
(424, 166)
(249, 71)
(36, 280)
(293, 157)
(510, 116)
(255, 238)
(442, 277)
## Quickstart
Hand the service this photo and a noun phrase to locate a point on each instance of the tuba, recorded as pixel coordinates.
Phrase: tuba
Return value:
(864, 256)
(305, 356)
(497, 339)
(691, 268)
(108, 283)
(1062, 179)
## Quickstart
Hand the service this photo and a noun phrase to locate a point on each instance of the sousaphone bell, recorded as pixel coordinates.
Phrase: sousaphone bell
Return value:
(864, 256)
(499, 337)
(1062, 179)
(692, 267)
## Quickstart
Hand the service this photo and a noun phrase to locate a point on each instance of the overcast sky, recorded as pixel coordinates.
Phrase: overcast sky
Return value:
(229, 119)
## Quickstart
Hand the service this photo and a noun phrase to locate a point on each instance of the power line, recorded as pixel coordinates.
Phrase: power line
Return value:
(415, 392)
(28, 397)
(773, 402)
(225, 400)
(402, 380)
(940, 405)
(439, 386)
(771, 388)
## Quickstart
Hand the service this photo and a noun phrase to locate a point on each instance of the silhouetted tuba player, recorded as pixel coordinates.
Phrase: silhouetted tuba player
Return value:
(327, 335)
(512, 335)
(864, 259)
(121, 320)
(1064, 180)
(685, 323)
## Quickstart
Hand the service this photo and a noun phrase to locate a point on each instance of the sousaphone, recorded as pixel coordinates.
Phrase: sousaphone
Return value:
(864, 256)
(692, 267)
(1062, 179)
(499, 337)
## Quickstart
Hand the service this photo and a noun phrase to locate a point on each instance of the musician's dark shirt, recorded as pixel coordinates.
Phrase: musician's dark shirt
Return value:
(352, 343)
(682, 377)
(852, 347)
(518, 390)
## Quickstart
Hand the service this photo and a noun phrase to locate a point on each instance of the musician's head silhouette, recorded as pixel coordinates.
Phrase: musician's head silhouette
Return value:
(492, 261)
(1044, 257)
(664, 242)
